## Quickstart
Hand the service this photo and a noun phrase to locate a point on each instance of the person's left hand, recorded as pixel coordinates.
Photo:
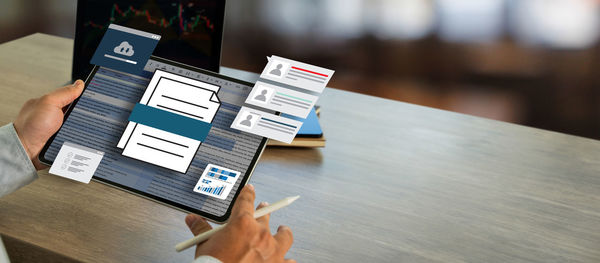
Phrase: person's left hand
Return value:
(42, 117)
(248, 239)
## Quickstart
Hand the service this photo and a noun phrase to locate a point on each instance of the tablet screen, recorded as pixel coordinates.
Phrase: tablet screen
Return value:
(100, 117)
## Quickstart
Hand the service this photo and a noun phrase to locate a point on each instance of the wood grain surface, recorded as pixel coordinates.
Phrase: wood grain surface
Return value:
(396, 183)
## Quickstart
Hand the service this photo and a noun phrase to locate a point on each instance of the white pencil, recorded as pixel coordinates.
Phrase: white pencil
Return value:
(259, 213)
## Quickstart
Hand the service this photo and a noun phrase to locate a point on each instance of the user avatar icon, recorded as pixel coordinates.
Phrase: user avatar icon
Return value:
(262, 96)
(276, 71)
(247, 121)
(124, 49)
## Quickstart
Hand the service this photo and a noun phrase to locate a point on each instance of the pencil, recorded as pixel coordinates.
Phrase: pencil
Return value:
(259, 213)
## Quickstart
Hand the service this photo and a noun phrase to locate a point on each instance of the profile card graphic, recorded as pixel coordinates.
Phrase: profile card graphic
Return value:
(281, 99)
(125, 49)
(297, 74)
(170, 122)
(216, 181)
(266, 124)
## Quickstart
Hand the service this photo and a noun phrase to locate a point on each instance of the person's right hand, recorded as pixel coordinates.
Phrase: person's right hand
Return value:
(245, 239)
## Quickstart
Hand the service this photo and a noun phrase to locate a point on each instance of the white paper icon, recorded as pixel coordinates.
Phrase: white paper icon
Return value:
(76, 162)
(165, 142)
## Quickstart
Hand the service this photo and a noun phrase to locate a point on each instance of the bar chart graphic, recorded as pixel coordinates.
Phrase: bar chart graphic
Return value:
(212, 190)
(216, 181)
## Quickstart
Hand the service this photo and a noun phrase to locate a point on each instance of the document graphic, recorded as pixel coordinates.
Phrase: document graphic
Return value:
(295, 91)
(125, 49)
(216, 181)
(76, 162)
(170, 122)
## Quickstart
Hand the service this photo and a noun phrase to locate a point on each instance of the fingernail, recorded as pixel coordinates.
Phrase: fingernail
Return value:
(264, 203)
(251, 187)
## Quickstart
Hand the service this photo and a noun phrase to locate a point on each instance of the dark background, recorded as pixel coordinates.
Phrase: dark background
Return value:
(531, 62)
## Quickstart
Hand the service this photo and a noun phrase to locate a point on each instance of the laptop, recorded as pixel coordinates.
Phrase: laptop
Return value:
(191, 31)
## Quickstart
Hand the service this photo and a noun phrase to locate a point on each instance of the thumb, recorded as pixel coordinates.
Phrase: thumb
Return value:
(65, 95)
(197, 224)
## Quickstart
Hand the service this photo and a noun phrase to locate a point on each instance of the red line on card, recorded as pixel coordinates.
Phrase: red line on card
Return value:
(310, 71)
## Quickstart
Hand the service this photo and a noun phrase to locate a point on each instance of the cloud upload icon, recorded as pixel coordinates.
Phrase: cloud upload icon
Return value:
(124, 49)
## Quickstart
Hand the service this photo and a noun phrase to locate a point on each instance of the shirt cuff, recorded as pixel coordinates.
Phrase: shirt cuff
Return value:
(16, 170)
(206, 259)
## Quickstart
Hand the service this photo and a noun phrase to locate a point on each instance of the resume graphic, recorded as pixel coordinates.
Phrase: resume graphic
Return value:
(170, 122)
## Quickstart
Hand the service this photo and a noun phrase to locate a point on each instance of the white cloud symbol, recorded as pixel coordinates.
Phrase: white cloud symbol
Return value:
(124, 49)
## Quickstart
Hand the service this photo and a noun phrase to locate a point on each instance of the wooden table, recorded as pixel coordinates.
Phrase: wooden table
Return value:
(396, 182)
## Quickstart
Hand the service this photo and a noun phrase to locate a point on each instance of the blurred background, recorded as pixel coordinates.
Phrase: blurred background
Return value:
(531, 62)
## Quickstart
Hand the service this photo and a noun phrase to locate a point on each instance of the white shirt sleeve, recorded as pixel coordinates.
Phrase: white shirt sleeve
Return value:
(3, 254)
(206, 259)
(16, 169)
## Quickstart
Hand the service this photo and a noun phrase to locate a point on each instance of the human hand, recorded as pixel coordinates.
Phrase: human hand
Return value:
(40, 118)
(247, 239)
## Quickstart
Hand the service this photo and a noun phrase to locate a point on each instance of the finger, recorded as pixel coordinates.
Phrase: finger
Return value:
(197, 224)
(244, 203)
(263, 220)
(190, 219)
(265, 244)
(284, 238)
(65, 95)
(289, 260)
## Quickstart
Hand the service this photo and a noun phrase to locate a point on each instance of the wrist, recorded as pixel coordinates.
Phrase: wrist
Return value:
(24, 143)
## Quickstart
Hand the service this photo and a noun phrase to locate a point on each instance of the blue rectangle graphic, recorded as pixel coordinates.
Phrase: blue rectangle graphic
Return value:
(170, 122)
